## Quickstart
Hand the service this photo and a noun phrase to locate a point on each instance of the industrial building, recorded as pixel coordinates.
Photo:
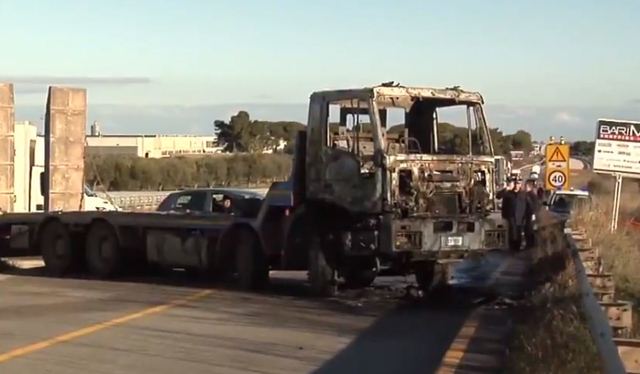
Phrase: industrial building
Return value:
(150, 146)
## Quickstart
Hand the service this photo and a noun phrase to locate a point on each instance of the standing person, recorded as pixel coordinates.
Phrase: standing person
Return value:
(533, 204)
(540, 193)
(518, 219)
(508, 196)
(508, 187)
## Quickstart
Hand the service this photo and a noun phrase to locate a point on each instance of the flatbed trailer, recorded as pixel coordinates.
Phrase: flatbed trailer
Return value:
(107, 243)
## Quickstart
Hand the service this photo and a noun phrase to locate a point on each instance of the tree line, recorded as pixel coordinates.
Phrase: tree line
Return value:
(120, 173)
(243, 162)
(583, 148)
(243, 134)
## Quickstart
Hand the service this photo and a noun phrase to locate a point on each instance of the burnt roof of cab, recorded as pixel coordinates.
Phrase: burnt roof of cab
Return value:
(398, 96)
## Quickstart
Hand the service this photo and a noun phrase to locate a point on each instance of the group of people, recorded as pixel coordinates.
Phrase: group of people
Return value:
(519, 208)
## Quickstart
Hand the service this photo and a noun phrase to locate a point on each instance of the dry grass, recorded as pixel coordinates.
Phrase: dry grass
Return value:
(552, 317)
(550, 334)
(619, 250)
(550, 331)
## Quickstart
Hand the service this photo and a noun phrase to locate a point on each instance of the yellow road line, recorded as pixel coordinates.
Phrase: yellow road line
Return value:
(100, 326)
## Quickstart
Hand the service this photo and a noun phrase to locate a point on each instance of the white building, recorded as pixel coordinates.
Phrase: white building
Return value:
(152, 146)
(149, 146)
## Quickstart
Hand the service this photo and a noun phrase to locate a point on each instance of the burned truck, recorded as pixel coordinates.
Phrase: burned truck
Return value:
(401, 201)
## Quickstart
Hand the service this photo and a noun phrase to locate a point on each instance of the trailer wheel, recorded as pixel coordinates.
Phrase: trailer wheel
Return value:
(251, 264)
(322, 276)
(103, 252)
(57, 249)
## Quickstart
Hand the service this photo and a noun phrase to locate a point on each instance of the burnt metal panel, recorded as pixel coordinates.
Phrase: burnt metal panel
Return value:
(7, 151)
(65, 129)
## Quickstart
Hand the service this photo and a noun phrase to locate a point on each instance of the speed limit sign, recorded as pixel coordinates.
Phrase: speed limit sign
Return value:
(557, 178)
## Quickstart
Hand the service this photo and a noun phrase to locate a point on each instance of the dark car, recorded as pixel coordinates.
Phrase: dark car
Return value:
(236, 201)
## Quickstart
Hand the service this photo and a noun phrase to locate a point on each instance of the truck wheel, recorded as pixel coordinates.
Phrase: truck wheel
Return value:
(362, 273)
(322, 276)
(431, 274)
(57, 249)
(251, 265)
(103, 252)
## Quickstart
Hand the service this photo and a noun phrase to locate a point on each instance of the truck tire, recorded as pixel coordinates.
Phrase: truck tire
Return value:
(362, 273)
(322, 276)
(251, 264)
(57, 249)
(103, 252)
(431, 274)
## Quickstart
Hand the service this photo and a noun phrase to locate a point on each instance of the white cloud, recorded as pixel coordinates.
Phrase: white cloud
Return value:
(567, 118)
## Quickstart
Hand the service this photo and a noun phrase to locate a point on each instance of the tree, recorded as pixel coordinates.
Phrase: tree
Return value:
(583, 148)
(241, 134)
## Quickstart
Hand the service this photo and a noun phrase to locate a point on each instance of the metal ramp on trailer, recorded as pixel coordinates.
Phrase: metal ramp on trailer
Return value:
(7, 128)
(65, 129)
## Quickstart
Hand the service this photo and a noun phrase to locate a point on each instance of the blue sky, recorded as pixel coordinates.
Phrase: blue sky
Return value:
(535, 61)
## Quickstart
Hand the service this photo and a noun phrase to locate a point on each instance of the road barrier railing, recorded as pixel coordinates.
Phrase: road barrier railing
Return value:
(563, 247)
(610, 320)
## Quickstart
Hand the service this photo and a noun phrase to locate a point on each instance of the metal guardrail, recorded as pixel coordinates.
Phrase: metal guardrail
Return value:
(609, 319)
(135, 202)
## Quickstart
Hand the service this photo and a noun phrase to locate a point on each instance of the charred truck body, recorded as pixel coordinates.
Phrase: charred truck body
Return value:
(393, 199)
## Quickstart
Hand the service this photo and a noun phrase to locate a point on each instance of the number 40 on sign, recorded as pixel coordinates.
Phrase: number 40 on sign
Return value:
(557, 178)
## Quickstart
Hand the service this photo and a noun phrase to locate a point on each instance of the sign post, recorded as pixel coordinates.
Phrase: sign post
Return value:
(617, 194)
(617, 153)
(557, 165)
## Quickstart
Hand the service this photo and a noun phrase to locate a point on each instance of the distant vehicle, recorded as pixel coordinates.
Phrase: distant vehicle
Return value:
(94, 202)
(565, 201)
(535, 172)
(29, 161)
(244, 202)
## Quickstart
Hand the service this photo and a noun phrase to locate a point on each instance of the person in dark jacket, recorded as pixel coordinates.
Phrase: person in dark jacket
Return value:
(520, 212)
(540, 193)
(509, 187)
(509, 196)
(532, 212)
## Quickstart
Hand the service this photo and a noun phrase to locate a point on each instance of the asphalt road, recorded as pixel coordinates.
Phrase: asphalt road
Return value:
(72, 326)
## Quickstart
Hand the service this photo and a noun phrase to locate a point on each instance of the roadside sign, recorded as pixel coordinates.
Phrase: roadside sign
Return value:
(557, 178)
(557, 166)
(557, 156)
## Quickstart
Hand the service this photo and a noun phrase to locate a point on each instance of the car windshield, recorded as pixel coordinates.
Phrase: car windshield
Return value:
(89, 192)
(569, 202)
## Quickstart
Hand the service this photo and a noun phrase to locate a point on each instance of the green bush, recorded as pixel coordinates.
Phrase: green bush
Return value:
(122, 173)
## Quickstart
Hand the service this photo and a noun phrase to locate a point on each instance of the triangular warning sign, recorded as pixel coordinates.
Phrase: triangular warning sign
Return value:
(557, 156)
